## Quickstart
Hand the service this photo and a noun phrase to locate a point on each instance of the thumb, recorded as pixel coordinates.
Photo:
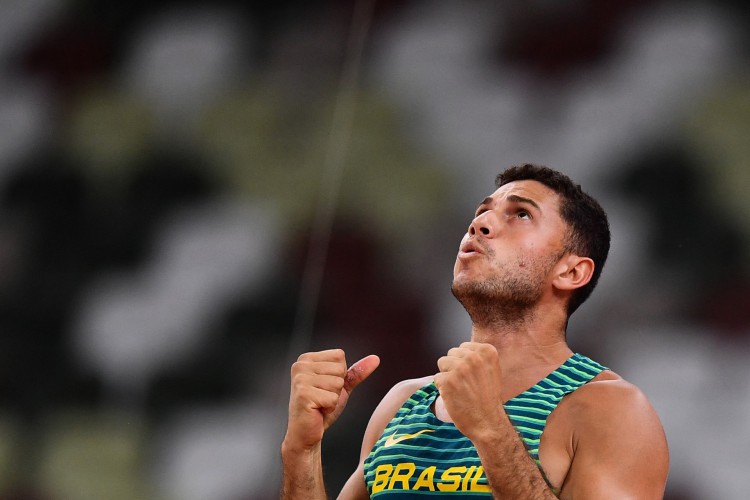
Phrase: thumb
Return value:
(359, 371)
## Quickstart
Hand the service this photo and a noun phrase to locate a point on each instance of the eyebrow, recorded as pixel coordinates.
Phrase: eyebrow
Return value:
(513, 198)
(521, 199)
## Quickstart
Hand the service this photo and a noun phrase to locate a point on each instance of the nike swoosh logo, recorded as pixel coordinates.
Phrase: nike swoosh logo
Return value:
(393, 439)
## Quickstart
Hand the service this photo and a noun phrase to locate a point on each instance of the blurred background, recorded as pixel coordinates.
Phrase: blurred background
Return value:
(192, 194)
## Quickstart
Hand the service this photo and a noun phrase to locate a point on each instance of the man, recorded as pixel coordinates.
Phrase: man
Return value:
(513, 413)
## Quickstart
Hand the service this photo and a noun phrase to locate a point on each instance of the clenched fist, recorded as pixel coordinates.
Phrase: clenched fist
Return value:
(321, 385)
(470, 383)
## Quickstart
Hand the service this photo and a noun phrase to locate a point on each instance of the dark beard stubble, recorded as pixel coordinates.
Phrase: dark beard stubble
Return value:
(506, 298)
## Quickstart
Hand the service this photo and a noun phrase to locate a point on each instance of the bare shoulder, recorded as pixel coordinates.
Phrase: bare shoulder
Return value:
(608, 393)
(402, 390)
(396, 397)
(607, 403)
(387, 408)
(617, 441)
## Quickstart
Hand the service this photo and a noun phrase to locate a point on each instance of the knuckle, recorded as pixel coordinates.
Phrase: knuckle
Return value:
(305, 356)
(299, 367)
(486, 351)
(336, 355)
(487, 348)
(299, 380)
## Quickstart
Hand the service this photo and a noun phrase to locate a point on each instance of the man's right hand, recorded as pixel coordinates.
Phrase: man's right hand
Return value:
(321, 385)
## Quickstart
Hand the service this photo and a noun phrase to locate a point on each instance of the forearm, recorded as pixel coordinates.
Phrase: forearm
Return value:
(302, 474)
(510, 471)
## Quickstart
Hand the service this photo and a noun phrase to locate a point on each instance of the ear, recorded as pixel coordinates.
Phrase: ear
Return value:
(573, 272)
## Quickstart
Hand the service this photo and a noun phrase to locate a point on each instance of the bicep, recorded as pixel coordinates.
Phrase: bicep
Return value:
(620, 450)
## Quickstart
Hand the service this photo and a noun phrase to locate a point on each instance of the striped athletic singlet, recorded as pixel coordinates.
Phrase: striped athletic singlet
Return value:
(419, 455)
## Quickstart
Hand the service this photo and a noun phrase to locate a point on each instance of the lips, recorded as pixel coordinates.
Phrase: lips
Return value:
(471, 247)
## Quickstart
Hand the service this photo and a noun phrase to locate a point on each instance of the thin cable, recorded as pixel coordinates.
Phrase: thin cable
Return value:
(333, 169)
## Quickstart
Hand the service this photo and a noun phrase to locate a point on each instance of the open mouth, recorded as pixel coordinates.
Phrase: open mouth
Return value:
(471, 248)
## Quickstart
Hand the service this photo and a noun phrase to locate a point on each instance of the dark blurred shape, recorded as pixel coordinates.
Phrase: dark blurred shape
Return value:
(239, 359)
(691, 238)
(67, 235)
(673, 493)
(166, 181)
(24, 494)
(554, 40)
(726, 308)
(70, 56)
(46, 205)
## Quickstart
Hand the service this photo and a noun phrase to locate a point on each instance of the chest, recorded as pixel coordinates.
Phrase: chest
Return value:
(422, 457)
(422, 452)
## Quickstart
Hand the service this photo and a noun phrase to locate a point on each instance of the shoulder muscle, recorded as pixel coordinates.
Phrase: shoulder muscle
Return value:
(386, 409)
(618, 443)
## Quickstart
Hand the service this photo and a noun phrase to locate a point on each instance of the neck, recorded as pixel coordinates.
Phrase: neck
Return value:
(537, 327)
(529, 349)
(525, 344)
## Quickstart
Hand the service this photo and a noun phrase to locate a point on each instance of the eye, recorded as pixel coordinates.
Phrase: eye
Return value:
(523, 214)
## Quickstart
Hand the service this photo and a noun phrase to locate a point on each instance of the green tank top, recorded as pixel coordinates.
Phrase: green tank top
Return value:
(419, 455)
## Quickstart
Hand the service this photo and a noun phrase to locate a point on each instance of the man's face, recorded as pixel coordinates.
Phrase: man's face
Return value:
(507, 255)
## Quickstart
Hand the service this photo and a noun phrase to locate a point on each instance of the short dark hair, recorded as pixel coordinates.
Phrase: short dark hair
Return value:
(588, 234)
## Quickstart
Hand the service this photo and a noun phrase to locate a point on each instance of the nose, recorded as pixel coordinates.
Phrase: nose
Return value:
(481, 225)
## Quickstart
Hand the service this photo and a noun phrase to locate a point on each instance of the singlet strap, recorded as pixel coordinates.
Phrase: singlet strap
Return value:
(528, 412)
